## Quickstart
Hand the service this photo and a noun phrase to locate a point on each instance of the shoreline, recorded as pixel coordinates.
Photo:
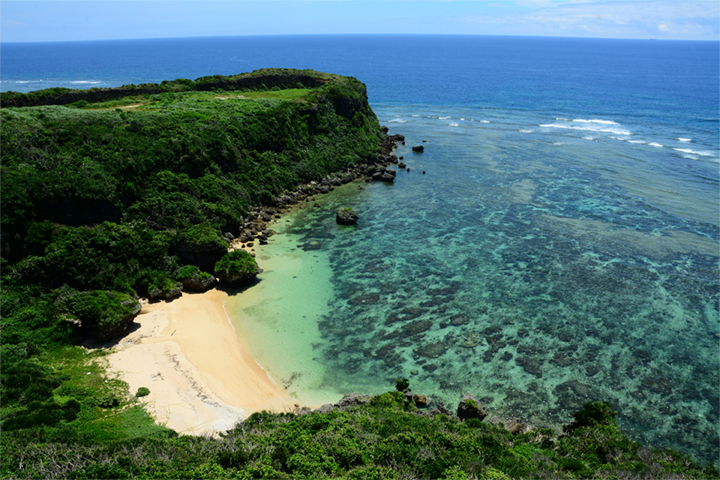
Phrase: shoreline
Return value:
(201, 378)
(187, 351)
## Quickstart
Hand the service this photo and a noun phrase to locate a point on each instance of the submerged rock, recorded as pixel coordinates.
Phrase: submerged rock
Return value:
(470, 342)
(367, 299)
(530, 365)
(432, 350)
(418, 326)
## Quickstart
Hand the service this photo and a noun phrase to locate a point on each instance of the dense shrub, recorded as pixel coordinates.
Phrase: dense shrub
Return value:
(236, 267)
(101, 311)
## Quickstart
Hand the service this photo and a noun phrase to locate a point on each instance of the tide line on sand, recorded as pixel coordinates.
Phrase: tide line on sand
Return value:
(201, 378)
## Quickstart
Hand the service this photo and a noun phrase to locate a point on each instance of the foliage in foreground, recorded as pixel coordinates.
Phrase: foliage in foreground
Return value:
(386, 438)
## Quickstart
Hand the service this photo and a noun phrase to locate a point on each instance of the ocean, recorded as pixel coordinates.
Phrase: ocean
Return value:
(556, 243)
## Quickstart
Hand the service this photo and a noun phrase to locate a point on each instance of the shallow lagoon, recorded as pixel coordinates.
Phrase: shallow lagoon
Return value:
(538, 270)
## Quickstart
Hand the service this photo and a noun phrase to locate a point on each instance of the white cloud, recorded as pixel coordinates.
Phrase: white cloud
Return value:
(612, 18)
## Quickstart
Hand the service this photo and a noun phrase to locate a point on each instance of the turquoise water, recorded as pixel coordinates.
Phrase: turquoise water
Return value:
(562, 246)
(533, 266)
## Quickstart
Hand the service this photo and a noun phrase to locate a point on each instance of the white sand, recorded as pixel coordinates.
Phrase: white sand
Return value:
(200, 377)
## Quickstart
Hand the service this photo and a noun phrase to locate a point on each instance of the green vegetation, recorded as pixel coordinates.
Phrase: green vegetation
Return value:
(112, 193)
(386, 438)
(108, 194)
(142, 392)
(237, 265)
(189, 271)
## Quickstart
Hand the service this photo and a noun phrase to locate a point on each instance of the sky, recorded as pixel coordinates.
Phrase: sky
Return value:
(49, 21)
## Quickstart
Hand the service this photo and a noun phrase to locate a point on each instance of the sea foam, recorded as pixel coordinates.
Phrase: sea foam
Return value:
(603, 122)
(702, 153)
(592, 127)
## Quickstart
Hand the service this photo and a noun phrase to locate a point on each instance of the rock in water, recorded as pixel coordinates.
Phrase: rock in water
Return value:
(470, 407)
(346, 216)
(421, 401)
(418, 149)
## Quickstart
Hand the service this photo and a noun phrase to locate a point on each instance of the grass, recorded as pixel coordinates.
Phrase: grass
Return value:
(161, 100)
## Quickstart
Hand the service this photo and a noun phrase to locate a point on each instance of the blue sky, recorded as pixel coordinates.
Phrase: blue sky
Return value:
(33, 21)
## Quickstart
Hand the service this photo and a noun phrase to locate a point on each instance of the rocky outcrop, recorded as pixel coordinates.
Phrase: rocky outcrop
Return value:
(418, 149)
(470, 407)
(351, 399)
(199, 282)
(166, 294)
(106, 332)
(346, 216)
(517, 427)
(237, 267)
(421, 401)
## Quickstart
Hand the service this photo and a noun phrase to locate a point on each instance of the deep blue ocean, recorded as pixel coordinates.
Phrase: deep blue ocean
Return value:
(562, 246)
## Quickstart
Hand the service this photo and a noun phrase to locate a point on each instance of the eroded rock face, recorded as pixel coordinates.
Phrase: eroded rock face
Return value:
(346, 217)
(199, 284)
(107, 332)
(173, 292)
(353, 399)
(421, 401)
(517, 426)
(470, 407)
(240, 278)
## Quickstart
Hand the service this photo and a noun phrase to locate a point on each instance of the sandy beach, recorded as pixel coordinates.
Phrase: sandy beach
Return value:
(201, 378)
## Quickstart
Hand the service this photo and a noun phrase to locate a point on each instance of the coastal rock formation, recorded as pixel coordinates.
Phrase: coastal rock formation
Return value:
(517, 427)
(106, 332)
(346, 216)
(421, 401)
(470, 407)
(237, 267)
(198, 282)
(353, 399)
(167, 293)
(418, 149)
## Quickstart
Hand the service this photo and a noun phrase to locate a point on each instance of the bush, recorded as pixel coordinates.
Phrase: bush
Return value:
(102, 313)
(402, 384)
(236, 267)
(187, 272)
(142, 392)
(593, 414)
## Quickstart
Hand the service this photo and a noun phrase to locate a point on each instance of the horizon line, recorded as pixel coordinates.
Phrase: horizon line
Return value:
(359, 34)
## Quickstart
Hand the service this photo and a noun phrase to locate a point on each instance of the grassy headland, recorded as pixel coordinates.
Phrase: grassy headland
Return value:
(108, 194)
